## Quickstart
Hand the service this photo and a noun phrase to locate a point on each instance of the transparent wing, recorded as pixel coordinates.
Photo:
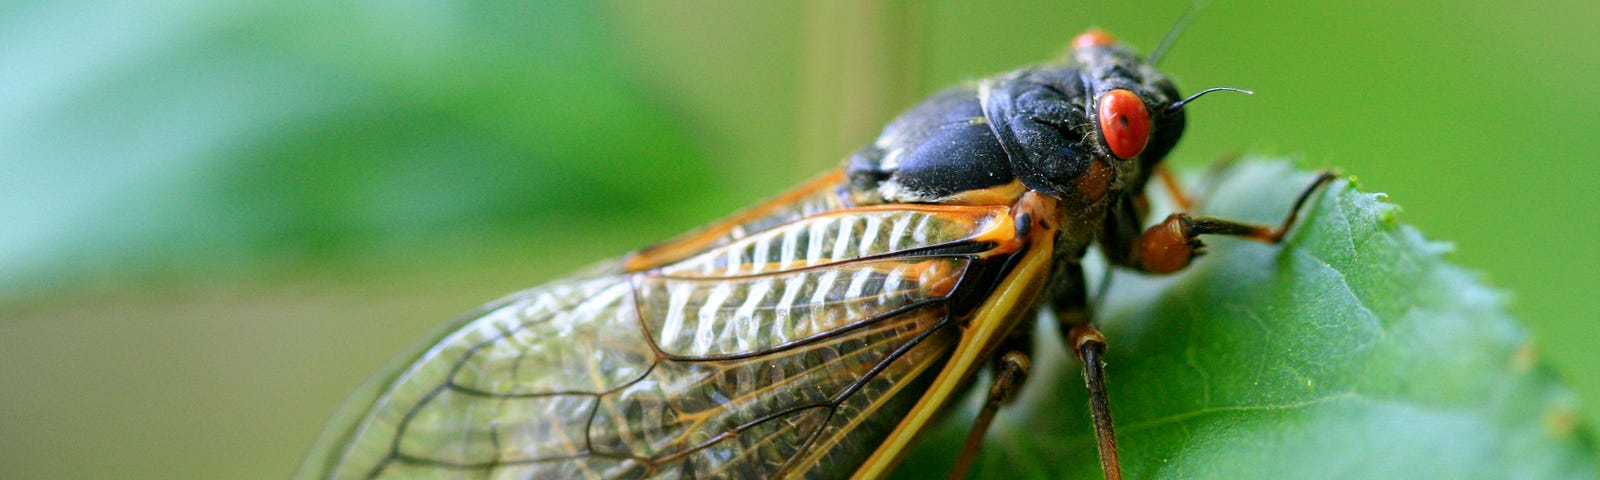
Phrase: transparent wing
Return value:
(785, 351)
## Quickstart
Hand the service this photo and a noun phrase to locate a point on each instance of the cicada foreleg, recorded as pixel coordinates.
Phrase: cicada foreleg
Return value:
(1180, 197)
(1187, 200)
(1170, 245)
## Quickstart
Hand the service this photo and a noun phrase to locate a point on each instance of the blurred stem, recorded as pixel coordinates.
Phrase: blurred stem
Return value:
(861, 62)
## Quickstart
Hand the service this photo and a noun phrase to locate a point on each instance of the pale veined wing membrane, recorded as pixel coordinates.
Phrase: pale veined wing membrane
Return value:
(776, 352)
(442, 412)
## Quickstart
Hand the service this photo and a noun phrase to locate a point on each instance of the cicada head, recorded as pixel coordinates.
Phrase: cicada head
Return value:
(1084, 130)
(1132, 104)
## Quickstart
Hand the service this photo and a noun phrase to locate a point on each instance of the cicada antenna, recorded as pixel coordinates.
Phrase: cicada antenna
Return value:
(1177, 106)
(1172, 33)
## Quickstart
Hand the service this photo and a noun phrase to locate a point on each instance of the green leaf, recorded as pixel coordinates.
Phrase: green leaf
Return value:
(1353, 350)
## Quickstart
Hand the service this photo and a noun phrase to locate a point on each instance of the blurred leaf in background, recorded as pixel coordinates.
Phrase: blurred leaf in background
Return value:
(217, 218)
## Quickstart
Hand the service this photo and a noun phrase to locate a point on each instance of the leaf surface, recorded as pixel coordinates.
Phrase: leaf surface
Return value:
(1353, 350)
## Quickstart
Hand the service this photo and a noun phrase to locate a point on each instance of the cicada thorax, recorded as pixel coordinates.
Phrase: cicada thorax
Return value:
(1086, 131)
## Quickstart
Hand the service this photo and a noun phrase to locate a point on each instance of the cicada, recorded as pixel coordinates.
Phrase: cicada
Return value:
(817, 334)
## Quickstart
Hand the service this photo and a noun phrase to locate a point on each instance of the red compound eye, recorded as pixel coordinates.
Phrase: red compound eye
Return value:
(1124, 123)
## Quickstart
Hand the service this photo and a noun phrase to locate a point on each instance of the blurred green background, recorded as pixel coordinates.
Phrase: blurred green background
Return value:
(217, 218)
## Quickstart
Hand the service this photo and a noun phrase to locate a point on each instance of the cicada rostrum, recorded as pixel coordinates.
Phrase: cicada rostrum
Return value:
(817, 334)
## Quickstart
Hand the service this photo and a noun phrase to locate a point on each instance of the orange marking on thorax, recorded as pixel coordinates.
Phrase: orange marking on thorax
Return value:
(998, 195)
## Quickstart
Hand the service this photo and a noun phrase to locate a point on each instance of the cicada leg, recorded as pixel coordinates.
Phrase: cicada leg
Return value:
(1189, 199)
(1011, 371)
(1170, 245)
(1164, 248)
(1072, 310)
(1090, 346)
(1180, 197)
